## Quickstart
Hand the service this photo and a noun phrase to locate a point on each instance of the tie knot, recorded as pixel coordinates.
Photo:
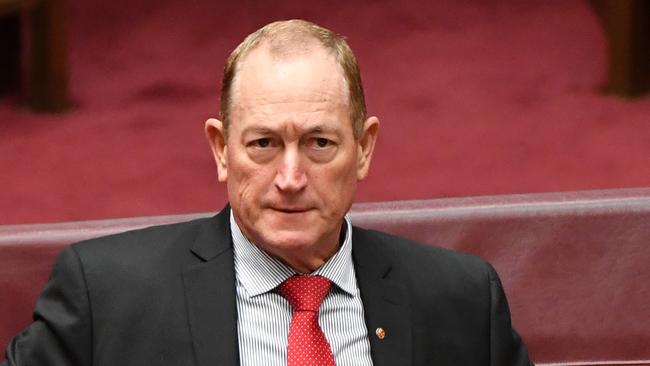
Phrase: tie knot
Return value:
(305, 292)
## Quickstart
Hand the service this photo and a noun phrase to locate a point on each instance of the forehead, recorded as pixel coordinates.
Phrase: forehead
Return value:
(309, 76)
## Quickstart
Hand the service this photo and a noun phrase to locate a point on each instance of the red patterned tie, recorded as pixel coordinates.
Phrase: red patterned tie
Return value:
(307, 343)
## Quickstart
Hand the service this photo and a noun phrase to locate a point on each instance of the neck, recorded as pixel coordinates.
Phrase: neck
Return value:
(306, 265)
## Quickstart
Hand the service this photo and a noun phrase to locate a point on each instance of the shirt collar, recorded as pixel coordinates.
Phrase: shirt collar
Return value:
(259, 272)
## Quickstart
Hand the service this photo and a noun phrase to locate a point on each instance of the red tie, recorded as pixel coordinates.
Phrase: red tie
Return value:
(307, 343)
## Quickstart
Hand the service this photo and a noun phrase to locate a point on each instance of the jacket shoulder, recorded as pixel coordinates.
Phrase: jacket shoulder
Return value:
(411, 257)
(151, 235)
(143, 250)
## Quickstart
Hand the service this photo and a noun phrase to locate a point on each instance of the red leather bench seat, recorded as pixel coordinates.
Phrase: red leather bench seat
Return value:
(575, 266)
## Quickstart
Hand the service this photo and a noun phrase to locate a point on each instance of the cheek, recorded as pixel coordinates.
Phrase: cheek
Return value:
(248, 182)
(335, 184)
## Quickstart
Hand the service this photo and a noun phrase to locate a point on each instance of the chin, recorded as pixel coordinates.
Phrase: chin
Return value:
(291, 239)
(279, 233)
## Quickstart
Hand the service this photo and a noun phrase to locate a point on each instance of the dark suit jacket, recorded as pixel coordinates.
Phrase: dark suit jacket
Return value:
(166, 296)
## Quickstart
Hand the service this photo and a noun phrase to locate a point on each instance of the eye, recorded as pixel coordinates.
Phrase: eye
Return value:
(322, 142)
(261, 150)
(321, 149)
(263, 142)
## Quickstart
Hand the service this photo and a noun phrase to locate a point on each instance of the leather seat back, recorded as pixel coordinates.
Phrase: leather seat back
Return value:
(575, 266)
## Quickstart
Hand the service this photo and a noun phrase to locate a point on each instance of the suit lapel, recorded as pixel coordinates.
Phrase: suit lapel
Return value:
(210, 295)
(385, 303)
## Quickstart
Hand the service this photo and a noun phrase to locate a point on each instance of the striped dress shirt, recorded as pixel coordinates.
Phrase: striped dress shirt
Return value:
(263, 315)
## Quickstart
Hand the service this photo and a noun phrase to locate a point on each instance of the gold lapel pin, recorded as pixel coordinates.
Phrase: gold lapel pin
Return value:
(380, 332)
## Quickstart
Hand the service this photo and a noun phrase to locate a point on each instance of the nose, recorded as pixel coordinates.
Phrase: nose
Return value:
(290, 177)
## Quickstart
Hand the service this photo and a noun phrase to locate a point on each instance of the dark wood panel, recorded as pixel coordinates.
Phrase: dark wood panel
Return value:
(48, 75)
(627, 24)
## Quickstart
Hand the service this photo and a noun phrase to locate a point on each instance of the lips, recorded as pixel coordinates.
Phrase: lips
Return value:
(290, 210)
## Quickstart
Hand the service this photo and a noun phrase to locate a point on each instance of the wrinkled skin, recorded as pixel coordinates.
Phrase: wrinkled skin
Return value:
(290, 161)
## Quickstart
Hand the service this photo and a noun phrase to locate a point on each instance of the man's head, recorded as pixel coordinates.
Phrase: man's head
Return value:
(291, 38)
(288, 148)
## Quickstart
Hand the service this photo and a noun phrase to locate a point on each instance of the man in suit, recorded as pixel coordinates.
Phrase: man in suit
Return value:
(241, 287)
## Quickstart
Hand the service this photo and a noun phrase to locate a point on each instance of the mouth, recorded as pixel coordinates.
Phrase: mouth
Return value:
(291, 210)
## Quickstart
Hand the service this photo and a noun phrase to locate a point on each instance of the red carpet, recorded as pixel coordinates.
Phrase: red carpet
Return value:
(475, 97)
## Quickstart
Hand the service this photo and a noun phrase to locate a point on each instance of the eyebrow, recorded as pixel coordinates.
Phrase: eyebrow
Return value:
(263, 130)
(322, 129)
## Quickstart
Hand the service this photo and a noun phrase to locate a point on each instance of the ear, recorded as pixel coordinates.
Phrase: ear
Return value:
(366, 145)
(217, 138)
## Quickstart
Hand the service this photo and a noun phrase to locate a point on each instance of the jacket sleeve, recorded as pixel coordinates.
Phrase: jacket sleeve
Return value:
(506, 347)
(61, 333)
